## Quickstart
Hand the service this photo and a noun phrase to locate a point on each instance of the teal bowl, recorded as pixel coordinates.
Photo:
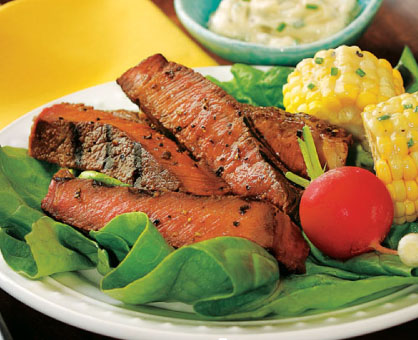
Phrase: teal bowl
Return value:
(194, 15)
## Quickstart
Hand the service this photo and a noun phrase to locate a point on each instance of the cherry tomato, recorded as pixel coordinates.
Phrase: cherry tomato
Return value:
(346, 211)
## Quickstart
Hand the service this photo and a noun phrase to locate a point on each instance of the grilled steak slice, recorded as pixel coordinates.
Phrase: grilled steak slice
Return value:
(280, 130)
(182, 219)
(209, 123)
(77, 136)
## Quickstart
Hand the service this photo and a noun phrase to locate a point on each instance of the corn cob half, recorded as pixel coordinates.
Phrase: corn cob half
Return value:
(392, 130)
(338, 83)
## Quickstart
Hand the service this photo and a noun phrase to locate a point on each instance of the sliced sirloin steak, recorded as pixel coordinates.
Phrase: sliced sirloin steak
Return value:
(79, 137)
(181, 218)
(210, 124)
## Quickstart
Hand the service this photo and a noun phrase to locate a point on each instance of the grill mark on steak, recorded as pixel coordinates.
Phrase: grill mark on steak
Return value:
(182, 219)
(137, 175)
(161, 98)
(76, 136)
(274, 161)
(108, 161)
(78, 151)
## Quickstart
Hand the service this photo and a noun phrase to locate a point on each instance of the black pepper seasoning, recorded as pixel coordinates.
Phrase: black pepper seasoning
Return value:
(243, 209)
(219, 171)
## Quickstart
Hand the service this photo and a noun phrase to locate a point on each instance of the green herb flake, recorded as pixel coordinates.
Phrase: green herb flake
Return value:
(360, 72)
(311, 6)
(407, 106)
(384, 117)
(410, 143)
(319, 60)
(334, 71)
(281, 27)
(311, 86)
(416, 109)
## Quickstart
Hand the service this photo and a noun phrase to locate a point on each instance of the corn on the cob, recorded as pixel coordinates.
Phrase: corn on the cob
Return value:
(337, 84)
(392, 130)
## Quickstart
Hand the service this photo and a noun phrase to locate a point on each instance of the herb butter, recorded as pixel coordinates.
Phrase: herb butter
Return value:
(281, 23)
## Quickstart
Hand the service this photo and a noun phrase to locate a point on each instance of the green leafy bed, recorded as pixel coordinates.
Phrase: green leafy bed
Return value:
(223, 278)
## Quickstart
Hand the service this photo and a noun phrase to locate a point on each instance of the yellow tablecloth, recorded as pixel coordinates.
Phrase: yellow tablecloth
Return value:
(50, 48)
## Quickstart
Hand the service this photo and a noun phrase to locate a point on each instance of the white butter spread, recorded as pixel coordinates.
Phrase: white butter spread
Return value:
(281, 23)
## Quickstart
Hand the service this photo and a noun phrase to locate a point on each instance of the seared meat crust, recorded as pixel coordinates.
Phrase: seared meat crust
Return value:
(79, 137)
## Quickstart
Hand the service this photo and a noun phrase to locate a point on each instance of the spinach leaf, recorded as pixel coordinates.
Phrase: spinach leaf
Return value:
(31, 243)
(399, 231)
(253, 86)
(227, 271)
(408, 68)
(370, 264)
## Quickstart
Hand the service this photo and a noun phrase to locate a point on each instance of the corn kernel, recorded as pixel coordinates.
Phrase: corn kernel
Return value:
(409, 208)
(384, 146)
(400, 190)
(414, 156)
(391, 190)
(302, 108)
(314, 107)
(399, 209)
(400, 145)
(331, 102)
(384, 63)
(396, 168)
(411, 190)
(366, 98)
(383, 171)
(410, 170)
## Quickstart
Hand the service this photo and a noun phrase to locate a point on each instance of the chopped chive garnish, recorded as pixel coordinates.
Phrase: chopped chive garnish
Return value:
(360, 72)
(311, 6)
(310, 157)
(416, 109)
(407, 106)
(319, 60)
(311, 86)
(281, 27)
(334, 71)
(410, 143)
(384, 117)
(298, 24)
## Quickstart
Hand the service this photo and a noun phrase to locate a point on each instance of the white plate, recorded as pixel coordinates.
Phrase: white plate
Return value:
(74, 298)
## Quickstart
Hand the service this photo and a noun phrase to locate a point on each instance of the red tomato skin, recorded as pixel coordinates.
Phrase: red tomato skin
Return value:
(346, 209)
